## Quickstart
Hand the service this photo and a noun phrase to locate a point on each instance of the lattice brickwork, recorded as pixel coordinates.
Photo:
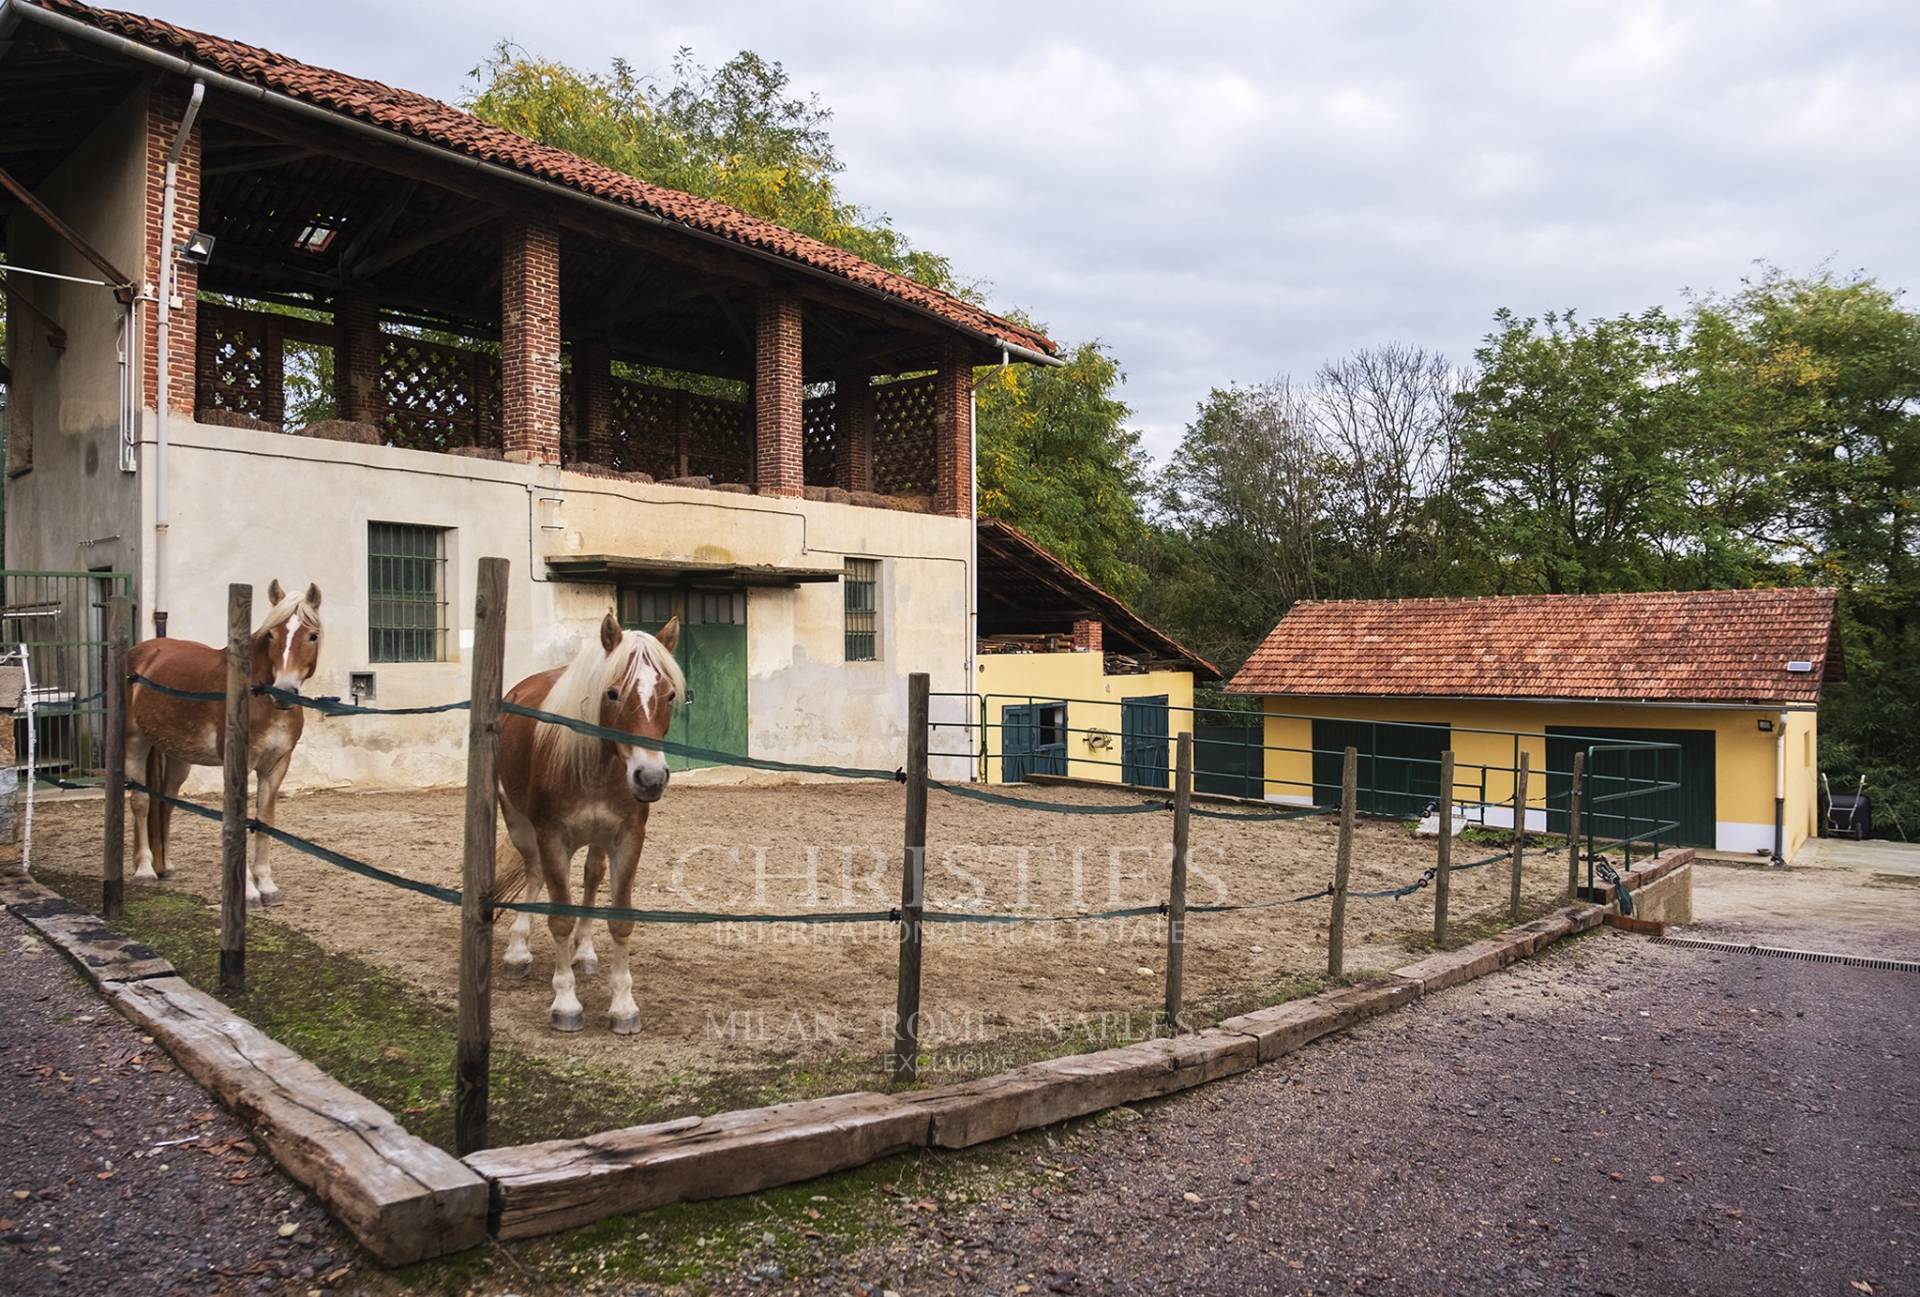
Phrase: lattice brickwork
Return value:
(439, 397)
(642, 440)
(820, 440)
(903, 437)
(719, 439)
(238, 364)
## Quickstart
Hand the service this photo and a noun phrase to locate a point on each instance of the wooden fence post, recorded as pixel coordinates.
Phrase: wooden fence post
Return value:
(1177, 882)
(233, 805)
(475, 1024)
(906, 1005)
(1343, 863)
(1519, 835)
(1573, 824)
(113, 878)
(1443, 867)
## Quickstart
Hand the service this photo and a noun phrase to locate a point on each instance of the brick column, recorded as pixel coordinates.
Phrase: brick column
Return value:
(778, 460)
(1087, 635)
(853, 405)
(593, 402)
(529, 340)
(953, 431)
(164, 113)
(358, 393)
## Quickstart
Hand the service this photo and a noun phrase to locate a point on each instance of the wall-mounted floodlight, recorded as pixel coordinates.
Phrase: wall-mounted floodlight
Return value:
(198, 249)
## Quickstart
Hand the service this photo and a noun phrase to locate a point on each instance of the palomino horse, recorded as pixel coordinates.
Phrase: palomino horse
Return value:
(181, 733)
(561, 790)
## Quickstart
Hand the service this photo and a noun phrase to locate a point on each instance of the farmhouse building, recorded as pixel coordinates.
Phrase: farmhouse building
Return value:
(1728, 681)
(326, 330)
(1072, 681)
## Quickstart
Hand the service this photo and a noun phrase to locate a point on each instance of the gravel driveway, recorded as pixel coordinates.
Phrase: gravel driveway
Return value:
(119, 1174)
(1614, 1117)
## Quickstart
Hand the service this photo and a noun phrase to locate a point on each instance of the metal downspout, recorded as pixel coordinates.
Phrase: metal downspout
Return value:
(1780, 790)
(162, 363)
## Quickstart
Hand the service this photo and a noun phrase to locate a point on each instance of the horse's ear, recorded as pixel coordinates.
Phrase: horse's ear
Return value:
(313, 595)
(274, 593)
(609, 633)
(669, 635)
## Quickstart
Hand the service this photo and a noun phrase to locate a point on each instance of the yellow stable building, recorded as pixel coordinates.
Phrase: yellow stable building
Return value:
(1070, 681)
(1693, 713)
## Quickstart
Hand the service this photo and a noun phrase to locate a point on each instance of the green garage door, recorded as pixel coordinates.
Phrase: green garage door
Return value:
(1692, 805)
(1399, 767)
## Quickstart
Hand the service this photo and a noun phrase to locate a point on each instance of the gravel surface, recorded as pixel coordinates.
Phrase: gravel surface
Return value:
(119, 1174)
(1614, 1117)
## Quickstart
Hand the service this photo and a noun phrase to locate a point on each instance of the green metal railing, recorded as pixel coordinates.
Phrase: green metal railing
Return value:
(58, 620)
(1621, 804)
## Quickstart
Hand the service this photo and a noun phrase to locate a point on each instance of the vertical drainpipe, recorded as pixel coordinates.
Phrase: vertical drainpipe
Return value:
(1780, 790)
(163, 363)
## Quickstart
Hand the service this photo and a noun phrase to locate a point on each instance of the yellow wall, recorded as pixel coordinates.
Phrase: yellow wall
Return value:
(1744, 757)
(1093, 702)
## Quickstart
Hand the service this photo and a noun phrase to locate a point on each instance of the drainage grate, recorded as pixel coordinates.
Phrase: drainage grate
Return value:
(1781, 952)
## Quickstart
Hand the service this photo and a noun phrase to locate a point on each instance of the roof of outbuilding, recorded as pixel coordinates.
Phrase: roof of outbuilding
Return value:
(1712, 646)
(1018, 575)
(406, 113)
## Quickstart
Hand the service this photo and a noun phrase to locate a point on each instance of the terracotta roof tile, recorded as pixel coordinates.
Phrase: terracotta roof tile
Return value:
(1728, 646)
(405, 112)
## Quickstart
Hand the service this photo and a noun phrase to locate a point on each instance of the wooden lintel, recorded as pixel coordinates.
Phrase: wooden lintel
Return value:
(401, 249)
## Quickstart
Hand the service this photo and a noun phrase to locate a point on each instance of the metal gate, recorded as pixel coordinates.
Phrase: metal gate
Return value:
(59, 619)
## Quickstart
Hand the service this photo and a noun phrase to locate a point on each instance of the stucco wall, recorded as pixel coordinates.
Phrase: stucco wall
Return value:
(1093, 701)
(75, 510)
(253, 506)
(1743, 755)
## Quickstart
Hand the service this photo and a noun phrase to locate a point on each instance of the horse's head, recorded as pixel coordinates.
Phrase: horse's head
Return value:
(286, 648)
(636, 689)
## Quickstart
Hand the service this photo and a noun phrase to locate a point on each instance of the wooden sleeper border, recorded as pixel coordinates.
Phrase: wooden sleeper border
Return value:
(406, 1200)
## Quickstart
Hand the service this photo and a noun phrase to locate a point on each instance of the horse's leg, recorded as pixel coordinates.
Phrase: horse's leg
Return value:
(519, 959)
(173, 777)
(565, 1014)
(262, 890)
(623, 1015)
(583, 957)
(137, 804)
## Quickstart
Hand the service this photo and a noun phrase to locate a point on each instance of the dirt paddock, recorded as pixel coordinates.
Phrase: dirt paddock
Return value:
(748, 995)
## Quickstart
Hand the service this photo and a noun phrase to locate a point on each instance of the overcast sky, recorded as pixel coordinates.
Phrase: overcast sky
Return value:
(1229, 192)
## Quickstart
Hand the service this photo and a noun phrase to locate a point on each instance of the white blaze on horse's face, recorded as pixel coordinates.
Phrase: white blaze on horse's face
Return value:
(293, 641)
(640, 701)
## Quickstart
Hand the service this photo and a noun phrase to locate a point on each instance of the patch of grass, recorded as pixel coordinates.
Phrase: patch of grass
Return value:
(373, 1032)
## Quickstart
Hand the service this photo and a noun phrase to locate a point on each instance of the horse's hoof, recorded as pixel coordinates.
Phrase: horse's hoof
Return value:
(273, 897)
(145, 874)
(627, 1026)
(517, 967)
(256, 903)
(570, 1020)
(167, 872)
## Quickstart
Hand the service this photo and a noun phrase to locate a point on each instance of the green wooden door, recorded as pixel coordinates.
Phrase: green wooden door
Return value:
(1143, 741)
(713, 655)
(1399, 765)
(1692, 804)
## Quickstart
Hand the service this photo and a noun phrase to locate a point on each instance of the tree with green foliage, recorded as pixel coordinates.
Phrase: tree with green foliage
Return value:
(737, 133)
(1057, 460)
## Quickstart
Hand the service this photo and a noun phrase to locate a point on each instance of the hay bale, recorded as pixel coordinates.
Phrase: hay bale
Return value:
(734, 488)
(904, 503)
(475, 452)
(828, 494)
(348, 430)
(697, 482)
(214, 417)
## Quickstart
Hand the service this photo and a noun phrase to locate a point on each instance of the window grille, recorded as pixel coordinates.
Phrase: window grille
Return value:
(862, 586)
(406, 593)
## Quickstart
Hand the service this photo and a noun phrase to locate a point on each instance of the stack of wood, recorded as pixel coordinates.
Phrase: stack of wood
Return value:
(1041, 643)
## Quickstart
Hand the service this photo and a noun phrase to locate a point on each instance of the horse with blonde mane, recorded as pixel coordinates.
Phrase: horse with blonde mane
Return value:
(561, 790)
(168, 735)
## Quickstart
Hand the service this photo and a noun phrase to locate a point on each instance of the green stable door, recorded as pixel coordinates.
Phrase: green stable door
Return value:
(1691, 805)
(1398, 769)
(713, 655)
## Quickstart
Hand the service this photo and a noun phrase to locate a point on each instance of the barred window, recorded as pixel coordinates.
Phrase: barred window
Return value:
(406, 593)
(862, 585)
(645, 608)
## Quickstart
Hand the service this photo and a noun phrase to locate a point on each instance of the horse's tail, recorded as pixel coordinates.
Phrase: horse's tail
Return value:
(510, 874)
